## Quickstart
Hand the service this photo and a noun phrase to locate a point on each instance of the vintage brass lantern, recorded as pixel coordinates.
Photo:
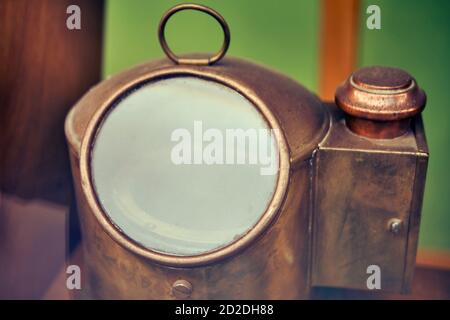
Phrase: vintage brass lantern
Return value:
(346, 195)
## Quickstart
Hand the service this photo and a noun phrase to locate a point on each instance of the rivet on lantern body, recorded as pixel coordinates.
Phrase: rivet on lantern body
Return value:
(182, 289)
(379, 102)
(395, 226)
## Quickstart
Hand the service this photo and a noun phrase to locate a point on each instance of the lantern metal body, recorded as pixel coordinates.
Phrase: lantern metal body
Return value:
(343, 201)
(264, 268)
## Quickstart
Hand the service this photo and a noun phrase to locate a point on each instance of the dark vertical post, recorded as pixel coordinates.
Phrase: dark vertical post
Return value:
(44, 69)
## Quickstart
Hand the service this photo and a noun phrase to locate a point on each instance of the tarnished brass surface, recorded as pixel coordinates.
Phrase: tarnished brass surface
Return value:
(378, 129)
(360, 186)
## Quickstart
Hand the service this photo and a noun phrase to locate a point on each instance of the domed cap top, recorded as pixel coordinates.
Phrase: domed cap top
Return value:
(380, 93)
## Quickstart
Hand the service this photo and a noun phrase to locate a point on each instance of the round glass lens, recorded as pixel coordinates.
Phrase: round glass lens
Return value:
(184, 165)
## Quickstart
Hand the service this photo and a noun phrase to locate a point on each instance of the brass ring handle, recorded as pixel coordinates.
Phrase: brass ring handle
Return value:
(195, 61)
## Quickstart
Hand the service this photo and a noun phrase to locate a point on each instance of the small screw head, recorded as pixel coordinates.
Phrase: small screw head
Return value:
(182, 289)
(395, 226)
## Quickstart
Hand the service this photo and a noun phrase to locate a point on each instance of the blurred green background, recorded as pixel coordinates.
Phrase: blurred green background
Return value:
(284, 35)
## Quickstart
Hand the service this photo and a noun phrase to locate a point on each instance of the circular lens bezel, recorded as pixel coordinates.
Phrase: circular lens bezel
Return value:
(232, 248)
